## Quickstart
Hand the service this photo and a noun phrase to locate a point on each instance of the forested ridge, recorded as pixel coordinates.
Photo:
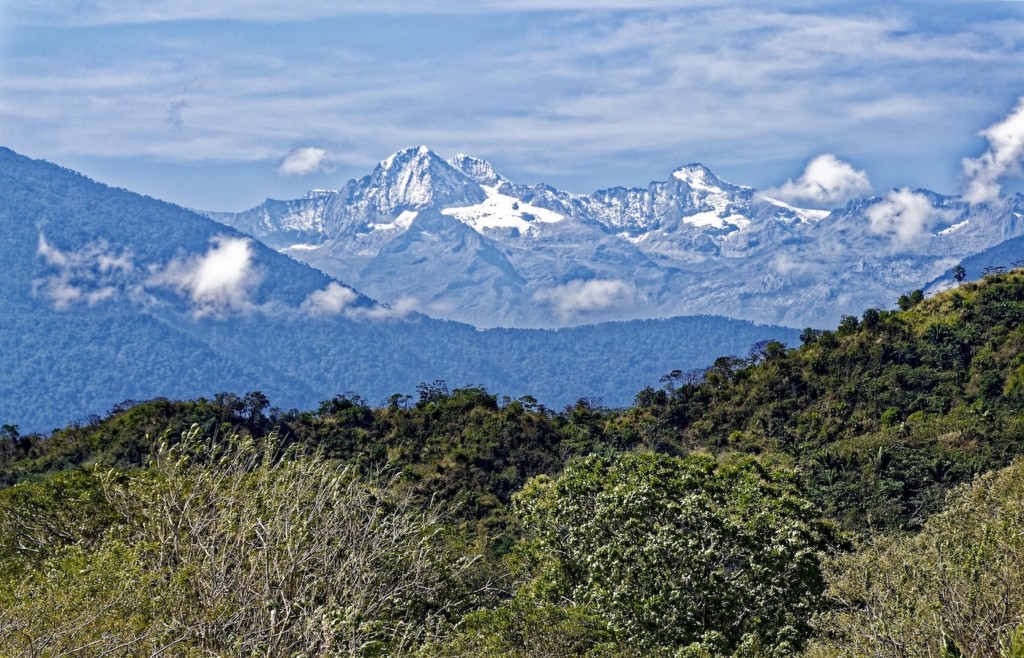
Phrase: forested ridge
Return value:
(81, 335)
(856, 495)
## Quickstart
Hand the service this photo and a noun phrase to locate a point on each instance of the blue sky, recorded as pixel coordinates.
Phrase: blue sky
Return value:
(200, 101)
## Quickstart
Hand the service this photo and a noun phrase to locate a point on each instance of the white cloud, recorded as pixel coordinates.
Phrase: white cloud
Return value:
(304, 160)
(95, 273)
(128, 12)
(794, 263)
(579, 297)
(101, 295)
(337, 300)
(580, 99)
(51, 254)
(826, 181)
(402, 307)
(1003, 158)
(217, 282)
(332, 300)
(904, 216)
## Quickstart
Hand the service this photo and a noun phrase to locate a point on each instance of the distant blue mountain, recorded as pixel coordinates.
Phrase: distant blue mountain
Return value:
(108, 295)
(1008, 254)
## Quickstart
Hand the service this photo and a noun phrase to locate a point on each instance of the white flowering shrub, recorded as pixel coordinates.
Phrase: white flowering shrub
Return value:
(685, 556)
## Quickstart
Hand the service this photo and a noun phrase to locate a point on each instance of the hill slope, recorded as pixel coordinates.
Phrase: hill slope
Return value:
(110, 295)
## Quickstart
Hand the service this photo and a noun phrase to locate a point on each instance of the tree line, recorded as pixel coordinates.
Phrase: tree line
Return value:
(856, 495)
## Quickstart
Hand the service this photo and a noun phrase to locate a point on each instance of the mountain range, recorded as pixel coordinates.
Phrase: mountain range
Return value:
(457, 240)
(109, 296)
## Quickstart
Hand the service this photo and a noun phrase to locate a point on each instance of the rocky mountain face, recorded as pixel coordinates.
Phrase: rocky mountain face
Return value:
(108, 296)
(457, 240)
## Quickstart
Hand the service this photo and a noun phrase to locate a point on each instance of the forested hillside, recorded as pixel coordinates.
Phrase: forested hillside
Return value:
(856, 495)
(109, 295)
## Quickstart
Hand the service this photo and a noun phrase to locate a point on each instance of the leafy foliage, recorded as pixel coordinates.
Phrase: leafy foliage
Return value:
(883, 414)
(957, 586)
(691, 524)
(239, 549)
(679, 553)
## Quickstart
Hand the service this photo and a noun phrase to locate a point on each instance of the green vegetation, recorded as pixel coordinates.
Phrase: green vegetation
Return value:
(679, 553)
(955, 587)
(857, 495)
(237, 548)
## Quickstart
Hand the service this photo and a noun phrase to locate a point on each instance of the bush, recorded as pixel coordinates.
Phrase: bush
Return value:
(243, 549)
(678, 554)
(957, 586)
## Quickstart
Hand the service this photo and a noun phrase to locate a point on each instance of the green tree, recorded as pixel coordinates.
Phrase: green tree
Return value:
(679, 554)
(954, 589)
(241, 548)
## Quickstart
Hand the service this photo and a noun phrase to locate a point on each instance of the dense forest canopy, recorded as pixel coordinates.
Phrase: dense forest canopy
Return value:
(817, 500)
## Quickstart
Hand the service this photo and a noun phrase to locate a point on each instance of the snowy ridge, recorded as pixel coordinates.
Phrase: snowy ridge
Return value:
(501, 211)
(465, 243)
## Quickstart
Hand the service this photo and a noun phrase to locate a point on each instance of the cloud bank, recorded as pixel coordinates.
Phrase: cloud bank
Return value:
(580, 99)
(1003, 158)
(826, 181)
(127, 12)
(337, 300)
(580, 297)
(93, 274)
(217, 282)
(905, 217)
(305, 160)
(332, 300)
(402, 307)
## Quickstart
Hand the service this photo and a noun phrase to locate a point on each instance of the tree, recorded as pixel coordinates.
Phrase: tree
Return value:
(9, 436)
(872, 318)
(679, 554)
(959, 273)
(907, 302)
(808, 336)
(954, 589)
(848, 324)
(238, 549)
(254, 403)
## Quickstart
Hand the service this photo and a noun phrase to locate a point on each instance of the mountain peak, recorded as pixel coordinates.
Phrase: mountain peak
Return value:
(417, 177)
(479, 170)
(406, 156)
(699, 177)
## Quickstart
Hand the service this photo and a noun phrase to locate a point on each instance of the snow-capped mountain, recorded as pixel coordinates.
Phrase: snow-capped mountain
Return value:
(458, 240)
(108, 296)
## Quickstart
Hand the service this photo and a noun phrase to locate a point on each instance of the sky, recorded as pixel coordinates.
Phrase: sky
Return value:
(219, 104)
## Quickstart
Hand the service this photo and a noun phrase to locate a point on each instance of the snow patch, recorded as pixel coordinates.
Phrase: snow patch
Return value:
(400, 223)
(500, 211)
(713, 219)
(698, 178)
(954, 227)
(803, 214)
